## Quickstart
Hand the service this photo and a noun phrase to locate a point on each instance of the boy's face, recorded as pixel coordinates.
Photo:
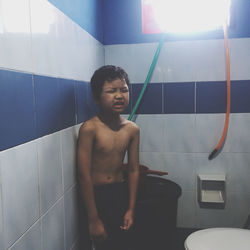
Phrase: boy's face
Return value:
(114, 96)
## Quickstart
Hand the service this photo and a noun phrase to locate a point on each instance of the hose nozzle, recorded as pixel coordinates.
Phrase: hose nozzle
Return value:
(211, 156)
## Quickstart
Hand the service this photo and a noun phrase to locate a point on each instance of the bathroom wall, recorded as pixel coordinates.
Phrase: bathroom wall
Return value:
(48, 55)
(182, 114)
(46, 61)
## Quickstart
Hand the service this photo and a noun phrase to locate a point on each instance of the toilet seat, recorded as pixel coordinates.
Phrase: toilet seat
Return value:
(219, 239)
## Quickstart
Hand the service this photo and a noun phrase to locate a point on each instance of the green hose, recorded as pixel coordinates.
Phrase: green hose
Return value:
(148, 76)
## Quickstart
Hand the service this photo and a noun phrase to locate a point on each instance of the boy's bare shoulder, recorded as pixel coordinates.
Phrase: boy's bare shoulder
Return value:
(131, 126)
(89, 126)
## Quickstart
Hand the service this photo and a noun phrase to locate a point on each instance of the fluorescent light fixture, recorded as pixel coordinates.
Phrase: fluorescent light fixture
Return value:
(185, 16)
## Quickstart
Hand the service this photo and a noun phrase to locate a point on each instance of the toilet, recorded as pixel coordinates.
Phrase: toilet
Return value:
(219, 239)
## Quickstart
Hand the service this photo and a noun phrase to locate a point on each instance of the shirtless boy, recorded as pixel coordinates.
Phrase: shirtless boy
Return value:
(102, 144)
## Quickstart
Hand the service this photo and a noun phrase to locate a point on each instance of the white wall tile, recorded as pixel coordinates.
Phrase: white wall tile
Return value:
(207, 218)
(177, 62)
(218, 165)
(181, 169)
(30, 240)
(20, 190)
(127, 56)
(209, 62)
(238, 172)
(89, 55)
(60, 47)
(15, 42)
(69, 144)
(76, 129)
(239, 58)
(50, 170)
(45, 38)
(181, 61)
(53, 228)
(208, 131)
(239, 133)
(179, 133)
(151, 132)
(71, 216)
(153, 160)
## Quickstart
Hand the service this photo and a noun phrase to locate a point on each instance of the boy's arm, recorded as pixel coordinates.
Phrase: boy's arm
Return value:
(133, 177)
(85, 144)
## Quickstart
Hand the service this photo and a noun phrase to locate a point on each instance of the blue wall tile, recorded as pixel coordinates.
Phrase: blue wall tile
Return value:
(240, 96)
(17, 115)
(179, 98)
(34, 106)
(92, 109)
(128, 109)
(151, 102)
(48, 110)
(67, 103)
(81, 101)
(211, 97)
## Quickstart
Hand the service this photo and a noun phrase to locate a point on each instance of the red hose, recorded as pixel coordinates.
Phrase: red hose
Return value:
(224, 133)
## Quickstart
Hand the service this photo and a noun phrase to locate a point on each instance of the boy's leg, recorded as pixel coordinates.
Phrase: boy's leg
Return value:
(112, 204)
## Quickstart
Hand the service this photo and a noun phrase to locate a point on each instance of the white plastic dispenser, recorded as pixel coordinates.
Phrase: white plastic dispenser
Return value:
(211, 189)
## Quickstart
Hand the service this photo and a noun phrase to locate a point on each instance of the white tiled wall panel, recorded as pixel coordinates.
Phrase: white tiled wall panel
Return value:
(19, 177)
(53, 228)
(71, 216)
(60, 47)
(30, 240)
(208, 131)
(193, 137)
(239, 55)
(32, 195)
(15, 35)
(179, 133)
(153, 127)
(50, 170)
(182, 61)
(239, 133)
(44, 41)
(69, 144)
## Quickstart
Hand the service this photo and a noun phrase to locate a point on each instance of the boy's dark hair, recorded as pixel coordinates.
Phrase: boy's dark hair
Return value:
(106, 73)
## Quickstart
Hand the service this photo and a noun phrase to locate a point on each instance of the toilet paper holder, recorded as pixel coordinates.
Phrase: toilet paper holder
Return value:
(211, 189)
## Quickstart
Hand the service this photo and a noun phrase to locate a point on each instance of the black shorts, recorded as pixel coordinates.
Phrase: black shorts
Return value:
(112, 204)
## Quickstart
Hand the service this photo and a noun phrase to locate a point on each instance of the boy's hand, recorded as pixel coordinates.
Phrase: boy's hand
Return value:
(128, 220)
(97, 231)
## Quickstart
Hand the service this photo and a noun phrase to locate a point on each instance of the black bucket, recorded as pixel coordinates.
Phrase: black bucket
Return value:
(156, 214)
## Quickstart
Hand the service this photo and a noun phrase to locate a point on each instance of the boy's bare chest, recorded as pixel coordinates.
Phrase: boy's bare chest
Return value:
(108, 141)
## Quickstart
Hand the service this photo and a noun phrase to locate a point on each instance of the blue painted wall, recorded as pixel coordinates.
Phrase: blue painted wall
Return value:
(123, 26)
(46, 105)
(42, 106)
(119, 21)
